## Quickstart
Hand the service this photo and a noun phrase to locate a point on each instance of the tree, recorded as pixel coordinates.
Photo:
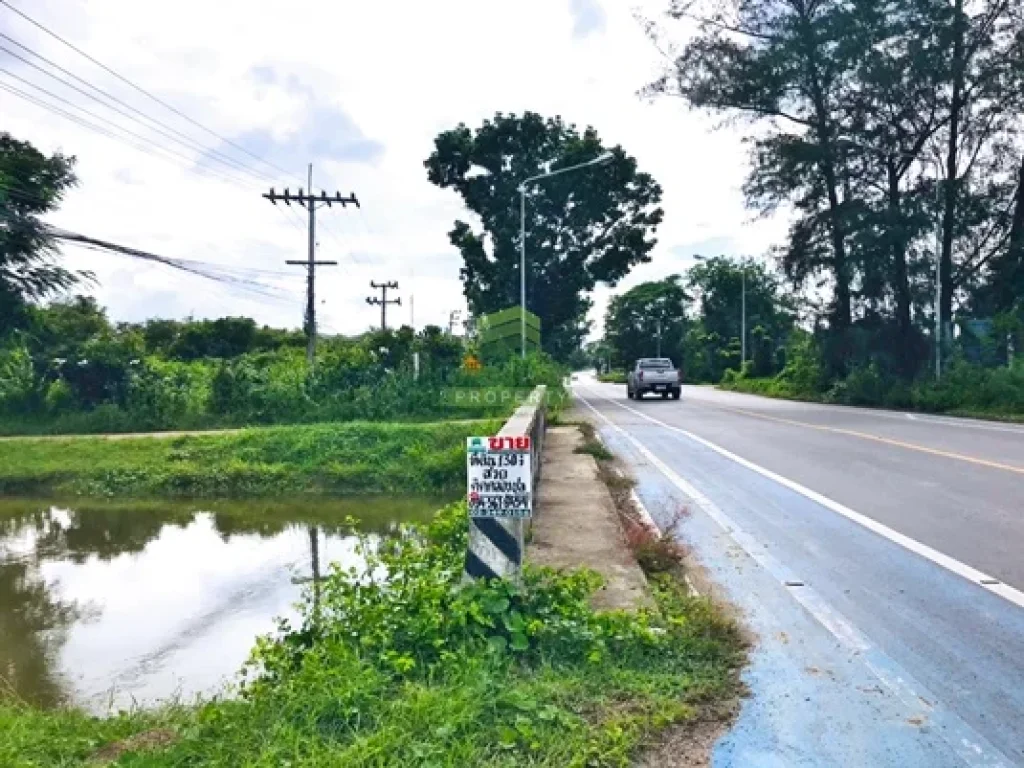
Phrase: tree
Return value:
(984, 87)
(31, 185)
(717, 287)
(856, 99)
(780, 62)
(637, 318)
(587, 227)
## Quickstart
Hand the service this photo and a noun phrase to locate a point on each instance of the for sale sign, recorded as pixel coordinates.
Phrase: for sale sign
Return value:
(498, 477)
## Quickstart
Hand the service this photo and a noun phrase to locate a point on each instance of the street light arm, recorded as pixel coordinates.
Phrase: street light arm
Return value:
(603, 158)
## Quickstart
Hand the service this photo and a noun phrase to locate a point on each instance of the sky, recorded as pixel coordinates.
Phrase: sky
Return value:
(359, 90)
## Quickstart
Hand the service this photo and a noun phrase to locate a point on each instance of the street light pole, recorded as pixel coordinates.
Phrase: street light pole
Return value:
(743, 315)
(522, 270)
(743, 305)
(602, 158)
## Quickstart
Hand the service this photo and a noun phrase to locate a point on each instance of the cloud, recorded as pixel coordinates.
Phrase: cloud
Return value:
(324, 132)
(361, 93)
(588, 17)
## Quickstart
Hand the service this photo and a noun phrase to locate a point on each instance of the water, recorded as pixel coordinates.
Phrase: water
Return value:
(111, 605)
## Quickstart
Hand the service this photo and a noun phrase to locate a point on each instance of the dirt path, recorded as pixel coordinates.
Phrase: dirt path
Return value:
(124, 435)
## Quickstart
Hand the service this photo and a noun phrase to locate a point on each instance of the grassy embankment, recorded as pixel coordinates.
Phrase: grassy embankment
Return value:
(612, 377)
(355, 457)
(435, 675)
(964, 390)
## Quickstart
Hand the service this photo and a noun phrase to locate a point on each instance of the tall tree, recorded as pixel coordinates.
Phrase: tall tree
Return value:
(780, 62)
(582, 228)
(645, 320)
(983, 85)
(856, 99)
(31, 185)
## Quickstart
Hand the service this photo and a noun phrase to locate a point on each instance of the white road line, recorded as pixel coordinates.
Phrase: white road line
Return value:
(970, 746)
(983, 580)
(931, 419)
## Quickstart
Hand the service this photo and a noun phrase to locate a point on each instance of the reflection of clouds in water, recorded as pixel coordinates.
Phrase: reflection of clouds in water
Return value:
(194, 603)
(156, 601)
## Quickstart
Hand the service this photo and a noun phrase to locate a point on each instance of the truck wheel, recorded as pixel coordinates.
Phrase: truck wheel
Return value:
(675, 394)
(664, 395)
(629, 393)
(638, 395)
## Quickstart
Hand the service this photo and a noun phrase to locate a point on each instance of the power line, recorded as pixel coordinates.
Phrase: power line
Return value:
(185, 265)
(63, 113)
(141, 90)
(184, 138)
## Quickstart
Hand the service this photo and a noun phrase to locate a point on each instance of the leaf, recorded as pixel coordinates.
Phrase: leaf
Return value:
(497, 643)
(514, 621)
(497, 605)
(520, 642)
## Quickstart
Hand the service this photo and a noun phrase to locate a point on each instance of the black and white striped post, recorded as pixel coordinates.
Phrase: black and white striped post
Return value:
(502, 472)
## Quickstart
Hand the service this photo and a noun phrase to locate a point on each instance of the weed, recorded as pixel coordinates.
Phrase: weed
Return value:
(592, 444)
(403, 665)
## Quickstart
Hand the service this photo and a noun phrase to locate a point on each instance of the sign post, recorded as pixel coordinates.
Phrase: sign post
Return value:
(499, 491)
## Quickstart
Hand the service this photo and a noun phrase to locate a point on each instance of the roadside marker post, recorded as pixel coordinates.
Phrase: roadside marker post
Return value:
(499, 492)
(502, 473)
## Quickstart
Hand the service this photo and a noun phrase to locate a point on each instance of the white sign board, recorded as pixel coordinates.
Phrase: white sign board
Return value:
(499, 481)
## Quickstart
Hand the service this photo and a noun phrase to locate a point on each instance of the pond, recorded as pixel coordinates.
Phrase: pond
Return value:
(107, 605)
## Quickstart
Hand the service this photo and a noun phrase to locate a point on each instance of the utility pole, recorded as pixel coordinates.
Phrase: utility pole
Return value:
(311, 202)
(383, 301)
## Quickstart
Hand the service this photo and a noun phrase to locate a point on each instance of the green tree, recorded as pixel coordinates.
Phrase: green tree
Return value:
(635, 320)
(781, 63)
(588, 227)
(31, 185)
(717, 285)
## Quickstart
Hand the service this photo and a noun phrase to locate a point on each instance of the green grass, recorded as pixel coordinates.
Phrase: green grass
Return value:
(613, 377)
(355, 457)
(416, 670)
(951, 400)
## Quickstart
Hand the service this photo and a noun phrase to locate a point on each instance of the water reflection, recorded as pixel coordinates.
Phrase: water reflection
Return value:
(114, 603)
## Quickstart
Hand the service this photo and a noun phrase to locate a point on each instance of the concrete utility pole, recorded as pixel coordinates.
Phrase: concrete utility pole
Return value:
(383, 301)
(311, 202)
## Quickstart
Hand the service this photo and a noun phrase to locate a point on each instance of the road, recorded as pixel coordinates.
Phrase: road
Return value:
(878, 557)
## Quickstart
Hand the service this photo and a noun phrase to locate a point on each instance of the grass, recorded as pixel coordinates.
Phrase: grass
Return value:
(591, 445)
(355, 457)
(911, 400)
(613, 377)
(416, 669)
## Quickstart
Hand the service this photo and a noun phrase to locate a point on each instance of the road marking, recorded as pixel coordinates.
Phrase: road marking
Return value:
(983, 580)
(877, 439)
(968, 744)
(931, 419)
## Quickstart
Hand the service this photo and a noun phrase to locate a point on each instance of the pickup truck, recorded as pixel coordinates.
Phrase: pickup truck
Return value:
(654, 374)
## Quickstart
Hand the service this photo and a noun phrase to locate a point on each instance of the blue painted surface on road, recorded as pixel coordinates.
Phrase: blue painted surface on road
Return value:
(879, 658)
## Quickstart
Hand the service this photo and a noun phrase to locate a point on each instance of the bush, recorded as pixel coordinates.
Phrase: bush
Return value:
(369, 379)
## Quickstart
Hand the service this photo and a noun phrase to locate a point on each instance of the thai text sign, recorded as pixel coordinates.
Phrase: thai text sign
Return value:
(498, 476)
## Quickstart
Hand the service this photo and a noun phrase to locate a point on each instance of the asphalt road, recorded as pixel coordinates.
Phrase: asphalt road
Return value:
(878, 556)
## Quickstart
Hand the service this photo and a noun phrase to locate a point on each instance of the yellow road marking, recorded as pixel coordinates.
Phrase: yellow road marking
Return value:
(886, 440)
